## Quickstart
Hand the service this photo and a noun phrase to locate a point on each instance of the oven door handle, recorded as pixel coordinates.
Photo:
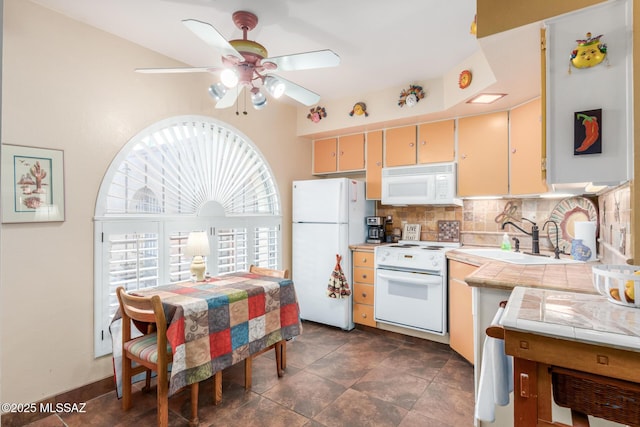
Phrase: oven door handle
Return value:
(409, 279)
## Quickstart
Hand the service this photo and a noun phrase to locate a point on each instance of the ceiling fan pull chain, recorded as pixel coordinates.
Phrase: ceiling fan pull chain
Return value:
(245, 103)
(237, 103)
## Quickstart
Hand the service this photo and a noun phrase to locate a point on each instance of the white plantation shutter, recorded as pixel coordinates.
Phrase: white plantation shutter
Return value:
(182, 174)
(266, 244)
(232, 250)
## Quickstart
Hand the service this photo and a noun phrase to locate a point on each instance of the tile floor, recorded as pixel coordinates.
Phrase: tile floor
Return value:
(333, 378)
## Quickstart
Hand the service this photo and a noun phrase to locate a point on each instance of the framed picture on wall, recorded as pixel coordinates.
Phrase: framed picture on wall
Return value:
(411, 232)
(32, 184)
(587, 132)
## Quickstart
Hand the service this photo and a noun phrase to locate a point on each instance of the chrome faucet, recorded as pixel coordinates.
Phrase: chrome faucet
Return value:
(535, 234)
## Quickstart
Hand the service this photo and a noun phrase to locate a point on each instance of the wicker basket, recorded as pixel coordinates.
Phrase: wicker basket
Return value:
(618, 283)
(601, 397)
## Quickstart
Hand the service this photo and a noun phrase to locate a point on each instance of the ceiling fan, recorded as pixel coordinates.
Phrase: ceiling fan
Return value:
(246, 64)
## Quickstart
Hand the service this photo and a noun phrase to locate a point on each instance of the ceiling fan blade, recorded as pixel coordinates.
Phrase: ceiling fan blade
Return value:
(298, 93)
(178, 70)
(305, 61)
(213, 38)
(230, 97)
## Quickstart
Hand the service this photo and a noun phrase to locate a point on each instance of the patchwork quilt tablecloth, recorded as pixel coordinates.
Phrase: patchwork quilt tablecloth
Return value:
(222, 321)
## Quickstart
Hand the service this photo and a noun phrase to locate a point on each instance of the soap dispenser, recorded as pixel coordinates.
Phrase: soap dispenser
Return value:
(506, 244)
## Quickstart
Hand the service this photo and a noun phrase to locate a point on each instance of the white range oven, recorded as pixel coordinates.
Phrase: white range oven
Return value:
(411, 285)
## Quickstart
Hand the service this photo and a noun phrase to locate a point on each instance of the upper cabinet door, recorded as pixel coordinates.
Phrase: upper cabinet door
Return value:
(400, 146)
(483, 163)
(374, 165)
(436, 142)
(351, 152)
(325, 155)
(525, 149)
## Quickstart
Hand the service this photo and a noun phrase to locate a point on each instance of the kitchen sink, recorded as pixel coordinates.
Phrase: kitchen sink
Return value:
(516, 257)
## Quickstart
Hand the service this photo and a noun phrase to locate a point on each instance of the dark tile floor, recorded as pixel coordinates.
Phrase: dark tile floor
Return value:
(333, 378)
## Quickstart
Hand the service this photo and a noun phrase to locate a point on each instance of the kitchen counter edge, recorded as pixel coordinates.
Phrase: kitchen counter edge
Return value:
(493, 274)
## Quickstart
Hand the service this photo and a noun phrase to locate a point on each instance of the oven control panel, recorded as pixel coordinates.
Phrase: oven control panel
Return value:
(414, 259)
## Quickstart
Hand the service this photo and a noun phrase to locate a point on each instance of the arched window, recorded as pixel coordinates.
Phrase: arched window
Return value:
(183, 174)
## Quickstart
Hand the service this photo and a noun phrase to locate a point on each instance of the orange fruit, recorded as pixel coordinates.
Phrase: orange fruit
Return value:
(615, 293)
(629, 288)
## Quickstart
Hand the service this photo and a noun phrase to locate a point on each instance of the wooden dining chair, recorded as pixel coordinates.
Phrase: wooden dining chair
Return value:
(150, 351)
(281, 346)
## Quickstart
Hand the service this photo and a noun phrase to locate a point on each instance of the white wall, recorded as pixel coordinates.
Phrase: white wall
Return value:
(72, 87)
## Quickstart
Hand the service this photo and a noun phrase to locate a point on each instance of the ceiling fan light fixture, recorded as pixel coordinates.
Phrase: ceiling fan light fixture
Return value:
(229, 78)
(258, 99)
(274, 86)
(217, 91)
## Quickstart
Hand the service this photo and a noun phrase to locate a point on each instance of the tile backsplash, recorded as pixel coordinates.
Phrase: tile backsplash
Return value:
(614, 208)
(480, 221)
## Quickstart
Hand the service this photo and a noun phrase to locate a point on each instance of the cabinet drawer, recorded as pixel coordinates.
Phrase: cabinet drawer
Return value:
(363, 259)
(363, 314)
(363, 294)
(363, 275)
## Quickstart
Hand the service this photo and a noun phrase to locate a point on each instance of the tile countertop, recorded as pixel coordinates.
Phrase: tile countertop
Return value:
(577, 317)
(506, 276)
(366, 246)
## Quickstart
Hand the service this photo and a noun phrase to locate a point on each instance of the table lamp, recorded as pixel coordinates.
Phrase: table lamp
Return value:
(197, 247)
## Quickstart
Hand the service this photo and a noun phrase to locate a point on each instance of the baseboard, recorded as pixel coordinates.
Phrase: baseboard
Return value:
(79, 395)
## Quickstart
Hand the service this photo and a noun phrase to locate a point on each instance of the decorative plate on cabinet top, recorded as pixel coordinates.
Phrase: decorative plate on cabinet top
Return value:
(566, 214)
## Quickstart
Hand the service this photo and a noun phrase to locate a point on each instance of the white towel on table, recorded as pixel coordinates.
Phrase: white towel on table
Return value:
(496, 376)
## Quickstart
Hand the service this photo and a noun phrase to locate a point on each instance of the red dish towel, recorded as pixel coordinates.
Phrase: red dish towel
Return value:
(338, 286)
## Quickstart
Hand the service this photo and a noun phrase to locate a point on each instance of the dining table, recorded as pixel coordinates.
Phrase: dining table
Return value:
(218, 322)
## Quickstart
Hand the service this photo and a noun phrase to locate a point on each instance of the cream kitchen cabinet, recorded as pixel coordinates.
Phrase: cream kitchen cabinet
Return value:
(363, 282)
(374, 165)
(483, 162)
(525, 150)
(436, 142)
(351, 152)
(343, 154)
(325, 155)
(400, 146)
(461, 310)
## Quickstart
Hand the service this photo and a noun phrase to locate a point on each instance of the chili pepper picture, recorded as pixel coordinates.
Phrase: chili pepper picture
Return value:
(587, 132)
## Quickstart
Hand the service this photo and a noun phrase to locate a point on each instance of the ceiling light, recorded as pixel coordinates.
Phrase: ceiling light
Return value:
(274, 86)
(229, 78)
(486, 98)
(258, 99)
(217, 91)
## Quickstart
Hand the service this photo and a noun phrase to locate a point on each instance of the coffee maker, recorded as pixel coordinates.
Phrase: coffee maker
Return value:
(375, 229)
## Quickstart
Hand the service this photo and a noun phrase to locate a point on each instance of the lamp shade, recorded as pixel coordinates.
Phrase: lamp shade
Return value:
(197, 244)
(274, 86)
(229, 78)
(258, 99)
(217, 91)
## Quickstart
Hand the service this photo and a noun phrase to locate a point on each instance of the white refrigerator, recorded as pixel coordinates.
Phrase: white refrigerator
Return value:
(328, 216)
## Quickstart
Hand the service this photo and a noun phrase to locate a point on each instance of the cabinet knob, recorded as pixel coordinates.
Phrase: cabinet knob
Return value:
(513, 150)
(333, 154)
(364, 276)
(364, 315)
(464, 156)
(342, 153)
(364, 295)
(411, 144)
(364, 259)
(424, 142)
(378, 163)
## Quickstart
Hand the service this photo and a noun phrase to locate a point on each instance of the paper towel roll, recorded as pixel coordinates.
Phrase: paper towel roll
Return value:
(586, 231)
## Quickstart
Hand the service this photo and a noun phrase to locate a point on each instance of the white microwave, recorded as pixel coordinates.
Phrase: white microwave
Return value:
(429, 184)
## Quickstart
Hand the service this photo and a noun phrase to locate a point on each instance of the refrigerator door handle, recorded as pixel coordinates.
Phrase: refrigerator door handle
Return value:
(340, 197)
